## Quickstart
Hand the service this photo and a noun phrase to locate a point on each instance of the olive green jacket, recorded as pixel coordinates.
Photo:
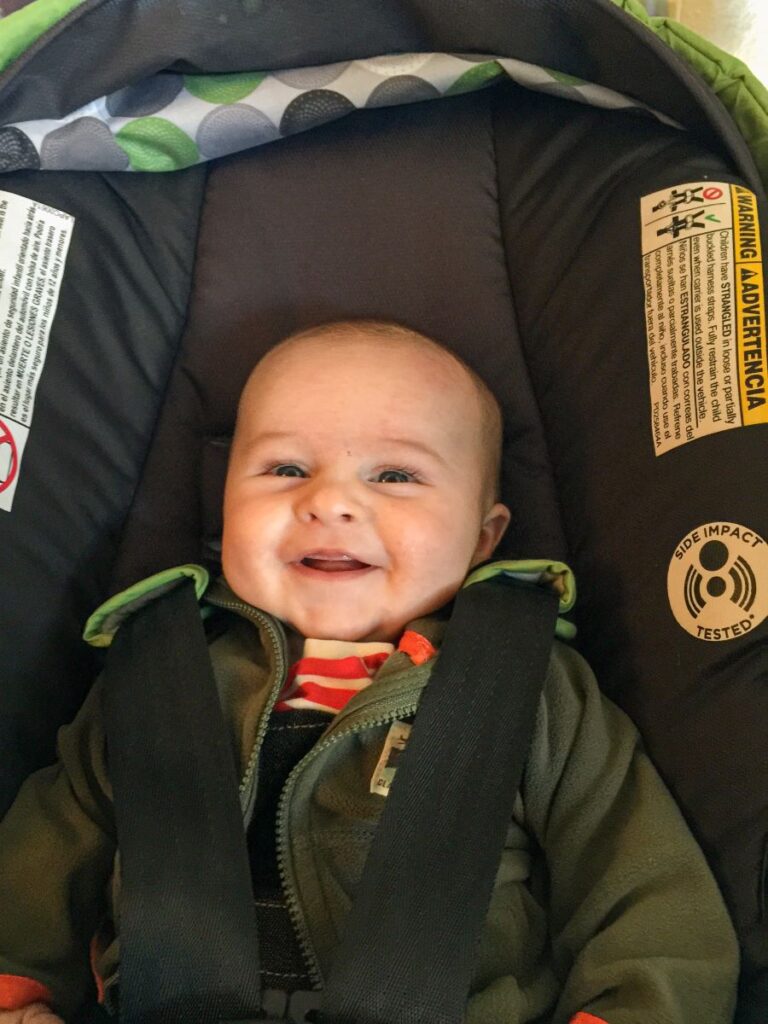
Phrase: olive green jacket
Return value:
(603, 902)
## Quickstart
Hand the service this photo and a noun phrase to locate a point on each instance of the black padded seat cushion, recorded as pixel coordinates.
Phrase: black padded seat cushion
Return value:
(389, 214)
(581, 319)
(112, 345)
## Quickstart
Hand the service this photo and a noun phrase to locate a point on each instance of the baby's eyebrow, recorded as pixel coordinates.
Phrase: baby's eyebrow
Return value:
(414, 445)
(268, 437)
(271, 436)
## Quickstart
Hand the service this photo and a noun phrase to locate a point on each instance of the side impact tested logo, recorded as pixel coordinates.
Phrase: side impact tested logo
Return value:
(718, 581)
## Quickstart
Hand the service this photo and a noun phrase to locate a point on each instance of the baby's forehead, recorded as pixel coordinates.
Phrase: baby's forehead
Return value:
(327, 348)
(392, 396)
(363, 355)
(418, 393)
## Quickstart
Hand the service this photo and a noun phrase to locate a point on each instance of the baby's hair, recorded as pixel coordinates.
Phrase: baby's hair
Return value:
(491, 423)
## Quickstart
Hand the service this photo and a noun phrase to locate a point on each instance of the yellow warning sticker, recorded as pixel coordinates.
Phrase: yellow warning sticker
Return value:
(704, 311)
(750, 306)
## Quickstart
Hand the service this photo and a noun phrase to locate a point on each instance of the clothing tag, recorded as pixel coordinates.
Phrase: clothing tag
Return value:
(394, 745)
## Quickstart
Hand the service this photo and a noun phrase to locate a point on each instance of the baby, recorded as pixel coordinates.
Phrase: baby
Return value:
(362, 488)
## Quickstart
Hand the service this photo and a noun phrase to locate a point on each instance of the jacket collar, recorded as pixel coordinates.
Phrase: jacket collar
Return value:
(108, 617)
(432, 627)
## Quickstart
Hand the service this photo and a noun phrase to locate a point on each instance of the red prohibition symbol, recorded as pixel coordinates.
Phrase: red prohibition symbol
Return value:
(713, 192)
(9, 457)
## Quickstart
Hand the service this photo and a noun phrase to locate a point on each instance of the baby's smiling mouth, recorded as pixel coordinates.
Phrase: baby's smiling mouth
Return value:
(333, 561)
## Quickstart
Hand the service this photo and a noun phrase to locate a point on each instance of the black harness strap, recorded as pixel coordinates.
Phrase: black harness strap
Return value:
(189, 951)
(188, 935)
(411, 938)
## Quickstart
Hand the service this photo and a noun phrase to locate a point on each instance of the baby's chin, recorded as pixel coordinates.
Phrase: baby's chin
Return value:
(351, 632)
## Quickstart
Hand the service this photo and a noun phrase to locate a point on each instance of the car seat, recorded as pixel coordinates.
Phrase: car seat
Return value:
(510, 178)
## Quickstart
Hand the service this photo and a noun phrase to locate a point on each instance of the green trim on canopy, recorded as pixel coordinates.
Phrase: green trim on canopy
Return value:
(741, 93)
(20, 29)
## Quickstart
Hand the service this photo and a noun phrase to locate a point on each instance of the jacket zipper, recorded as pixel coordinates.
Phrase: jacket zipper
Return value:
(337, 733)
(248, 784)
(276, 633)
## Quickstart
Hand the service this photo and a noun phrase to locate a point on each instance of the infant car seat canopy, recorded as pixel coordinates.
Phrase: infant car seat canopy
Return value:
(591, 42)
(587, 234)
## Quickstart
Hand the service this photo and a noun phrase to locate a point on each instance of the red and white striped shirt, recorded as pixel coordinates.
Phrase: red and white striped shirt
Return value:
(331, 672)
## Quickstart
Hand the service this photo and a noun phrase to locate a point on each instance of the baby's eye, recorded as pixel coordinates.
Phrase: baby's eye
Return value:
(395, 476)
(287, 469)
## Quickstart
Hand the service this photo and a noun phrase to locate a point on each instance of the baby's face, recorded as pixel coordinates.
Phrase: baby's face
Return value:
(353, 497)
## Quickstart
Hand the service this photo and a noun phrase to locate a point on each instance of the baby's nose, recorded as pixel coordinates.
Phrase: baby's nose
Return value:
(329, 502)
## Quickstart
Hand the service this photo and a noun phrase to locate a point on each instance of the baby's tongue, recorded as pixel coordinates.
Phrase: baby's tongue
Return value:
(334, 564)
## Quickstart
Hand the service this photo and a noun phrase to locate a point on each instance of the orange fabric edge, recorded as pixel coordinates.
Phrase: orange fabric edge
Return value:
(586, 1018)
(94, 954)
(416, 646)
(16, 992)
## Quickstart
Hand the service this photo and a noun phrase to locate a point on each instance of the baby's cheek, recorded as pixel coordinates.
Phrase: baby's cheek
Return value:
(456, 537)
(240, 559)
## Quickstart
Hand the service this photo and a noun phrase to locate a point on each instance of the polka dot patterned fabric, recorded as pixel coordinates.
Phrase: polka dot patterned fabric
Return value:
(170, 121)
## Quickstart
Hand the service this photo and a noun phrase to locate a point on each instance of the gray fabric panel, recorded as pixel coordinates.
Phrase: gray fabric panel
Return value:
(122, 307)
(591, 39)
(387, 214)
(701, 707)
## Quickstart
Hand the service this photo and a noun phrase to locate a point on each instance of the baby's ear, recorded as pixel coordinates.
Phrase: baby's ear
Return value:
(492, 530)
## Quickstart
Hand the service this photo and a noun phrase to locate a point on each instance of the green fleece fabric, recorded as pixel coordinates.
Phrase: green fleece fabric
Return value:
(603, 901)
(742, 94)
(22, 28)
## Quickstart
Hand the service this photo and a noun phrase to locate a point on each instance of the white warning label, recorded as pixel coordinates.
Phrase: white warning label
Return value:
(704, 311)
(34, 240)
